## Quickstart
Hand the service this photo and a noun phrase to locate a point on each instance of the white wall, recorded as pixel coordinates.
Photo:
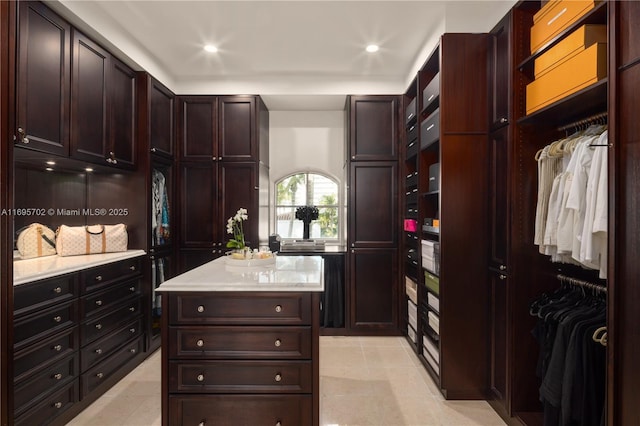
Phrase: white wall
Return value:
(308, 141)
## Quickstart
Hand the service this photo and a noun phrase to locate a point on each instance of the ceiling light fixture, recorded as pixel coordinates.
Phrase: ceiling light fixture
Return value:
(51, 163)
(372, 48)
(49, 169)
(88, 169)
(210, 48)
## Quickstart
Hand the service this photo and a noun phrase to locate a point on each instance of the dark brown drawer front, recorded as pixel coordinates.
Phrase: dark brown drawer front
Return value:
(44, 383)
(241, 377)
(51, 407)
(240, 342)
(103, 276)
(238, 308)
(241, 410)
(46, 352)
(40, 325)
(102, 348)
(101, 372)
(39, 295)
(105, 300)
(99, 327)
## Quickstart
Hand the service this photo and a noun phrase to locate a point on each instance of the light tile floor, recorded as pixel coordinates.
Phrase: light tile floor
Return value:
(364, 381)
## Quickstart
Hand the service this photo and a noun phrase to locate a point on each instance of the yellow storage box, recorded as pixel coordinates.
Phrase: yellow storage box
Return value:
(555, 17)
(580, 71)
(576, 42)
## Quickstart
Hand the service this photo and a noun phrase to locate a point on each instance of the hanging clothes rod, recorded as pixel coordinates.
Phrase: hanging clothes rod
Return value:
(582, 283)
(585, 121)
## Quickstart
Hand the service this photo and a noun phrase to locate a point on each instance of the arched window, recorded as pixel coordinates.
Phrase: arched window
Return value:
(307, 189)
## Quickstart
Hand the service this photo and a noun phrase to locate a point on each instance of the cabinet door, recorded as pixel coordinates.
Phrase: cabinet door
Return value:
(197, 127)
(89, 100)
(498, 203)
(373, 128)
(500, 84)
(374, 289)
(373, 204)
(43, 80)
(499, 327)
(192, 258)
(161, 118)
(197, 204)
(122, 111)
(237, 133)
(238, 188)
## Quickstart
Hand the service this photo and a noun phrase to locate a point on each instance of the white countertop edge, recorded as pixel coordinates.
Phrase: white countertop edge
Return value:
(192, 281)
(64, 265)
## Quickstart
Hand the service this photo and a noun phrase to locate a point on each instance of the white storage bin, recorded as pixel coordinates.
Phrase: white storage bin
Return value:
(432, 362)
(433, 301)
(411, 289)
(412, 334)
(430, 347)
(428, 248)
(434, 321)
(412, 309)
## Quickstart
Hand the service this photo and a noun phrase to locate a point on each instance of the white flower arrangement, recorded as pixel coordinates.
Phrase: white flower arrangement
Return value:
(234, 227)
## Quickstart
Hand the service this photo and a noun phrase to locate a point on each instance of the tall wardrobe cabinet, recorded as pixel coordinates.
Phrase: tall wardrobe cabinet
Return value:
(372, 168)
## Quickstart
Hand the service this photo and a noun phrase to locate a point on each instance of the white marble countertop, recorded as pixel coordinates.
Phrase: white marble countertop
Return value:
(289, 273)
(37, 268)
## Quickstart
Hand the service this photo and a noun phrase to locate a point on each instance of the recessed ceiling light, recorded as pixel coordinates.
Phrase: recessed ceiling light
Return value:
(210, 48)
(88, 169)
(51, 163)
(372, 48)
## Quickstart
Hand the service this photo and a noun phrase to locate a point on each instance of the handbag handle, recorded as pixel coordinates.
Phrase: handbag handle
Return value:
(86, 228)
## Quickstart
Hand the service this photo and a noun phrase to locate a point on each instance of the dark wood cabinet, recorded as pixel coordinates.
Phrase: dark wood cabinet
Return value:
(238, 187)
(499, 199)
(122, 128)
(373, 128)
(374, 290)
(43, 86)
(372, 218)
(198, 128)
(103, 106)
(161, 118)
(237, 128)
(241, 358)
(198, 202)
(500, 62)
(499, 322)
(89, 120)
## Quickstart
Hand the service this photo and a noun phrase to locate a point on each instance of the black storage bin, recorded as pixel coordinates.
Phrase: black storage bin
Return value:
(431, 93)
(430, 129)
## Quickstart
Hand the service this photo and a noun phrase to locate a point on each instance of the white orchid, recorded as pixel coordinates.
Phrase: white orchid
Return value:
(234, 227)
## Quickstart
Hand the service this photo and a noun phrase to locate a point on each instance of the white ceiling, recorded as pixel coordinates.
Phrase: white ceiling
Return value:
(299, 55)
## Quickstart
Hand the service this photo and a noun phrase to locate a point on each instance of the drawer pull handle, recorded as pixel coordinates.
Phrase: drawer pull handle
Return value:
(98, 326)
(278, 308)
(133, 330)
(57, 290)
(58, 404)
(278, 423)
(278, 377)
(57, 376)
(278, 343)
(503, 277)
(202, 423)
(200, 308)
(57, 348)
(99, 351)
(133, 350)
(99, 302)
(132, 289)
(100, 375)
(200, 377)
(132, 309)
(200, 343)
(99, 278)
(57, 318)
(132, 267)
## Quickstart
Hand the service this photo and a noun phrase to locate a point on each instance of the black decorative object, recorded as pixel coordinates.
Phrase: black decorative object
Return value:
(306, 214)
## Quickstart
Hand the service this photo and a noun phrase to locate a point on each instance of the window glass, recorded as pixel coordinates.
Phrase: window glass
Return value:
(307, 189)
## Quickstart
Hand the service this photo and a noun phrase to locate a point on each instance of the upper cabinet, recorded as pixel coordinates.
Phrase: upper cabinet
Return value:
(43, 80)
(218, 128)
(73, 98)
(103, 106)
(161, 118)
(373, 129)
(500, 68)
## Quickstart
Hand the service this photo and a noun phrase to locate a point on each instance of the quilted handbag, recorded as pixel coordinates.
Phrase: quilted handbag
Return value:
(92, 239)
(36, 240)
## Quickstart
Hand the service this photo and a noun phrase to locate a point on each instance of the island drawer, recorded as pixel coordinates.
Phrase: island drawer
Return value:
(233, 410)
(241, 308)
(240, 377)
(240, 342)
